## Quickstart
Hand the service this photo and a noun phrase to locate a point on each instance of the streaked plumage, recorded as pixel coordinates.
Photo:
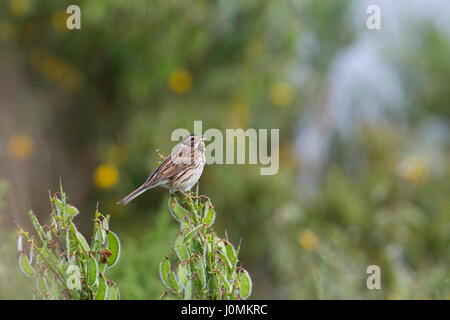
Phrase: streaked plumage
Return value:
(180, 171)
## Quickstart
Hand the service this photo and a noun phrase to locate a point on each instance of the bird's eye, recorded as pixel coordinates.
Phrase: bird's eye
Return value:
(192, 138)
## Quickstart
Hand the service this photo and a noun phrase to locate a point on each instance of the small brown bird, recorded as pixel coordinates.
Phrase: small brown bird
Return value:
(180, 171)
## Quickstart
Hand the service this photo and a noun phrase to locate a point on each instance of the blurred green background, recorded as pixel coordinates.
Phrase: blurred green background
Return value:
(364, 135)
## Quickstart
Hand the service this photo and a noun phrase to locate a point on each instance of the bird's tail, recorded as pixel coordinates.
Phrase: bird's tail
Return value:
(133, 195)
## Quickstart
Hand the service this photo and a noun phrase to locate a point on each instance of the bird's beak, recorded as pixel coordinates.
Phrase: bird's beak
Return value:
(205, 138)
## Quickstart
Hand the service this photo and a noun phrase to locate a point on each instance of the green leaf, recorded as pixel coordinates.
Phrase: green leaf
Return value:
(102, 291)
(231, 254)
(182, 276)
(80, 238)
(187, 268)
(164, 268)
(246, 285)
(184, 225)
(65, 210)
(54, 290)
(201, 272)
(71, 211)
(62, 266)
(105, 222)
(212, 239)
(92, 271)
(192, 233)
(167, 275)
(114, 247)
(36, 225)
(209, 215)
(225, 259)
(181, 248)
(83, 242)
(224, 281)
(41, 285)
(113, 293)
(176, 210)
(59, 205)
(205, 250)
(37, 296)
(25, 266)
(97, 239)
(212, 285)
(228, 254)
(188, 290)
(39, 259)
(173, 281)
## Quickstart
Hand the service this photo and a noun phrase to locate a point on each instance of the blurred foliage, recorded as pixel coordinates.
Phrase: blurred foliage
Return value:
(96, 103)
(12, 283)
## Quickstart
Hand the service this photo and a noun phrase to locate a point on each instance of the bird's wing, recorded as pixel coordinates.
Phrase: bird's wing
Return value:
(176, 162)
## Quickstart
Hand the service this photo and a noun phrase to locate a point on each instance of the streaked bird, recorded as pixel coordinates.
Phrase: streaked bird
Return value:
(179, 171)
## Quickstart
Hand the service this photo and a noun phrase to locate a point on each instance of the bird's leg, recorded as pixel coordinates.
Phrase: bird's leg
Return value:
(174, 195)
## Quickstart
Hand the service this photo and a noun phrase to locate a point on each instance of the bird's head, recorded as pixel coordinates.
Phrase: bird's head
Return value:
(194, 141)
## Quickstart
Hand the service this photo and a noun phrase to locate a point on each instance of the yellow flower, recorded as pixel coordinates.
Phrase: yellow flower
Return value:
(308, 240)
(20, 146)
(180, 81)
(106, 176)
(19, 7)
(59, 20)
(281, 94)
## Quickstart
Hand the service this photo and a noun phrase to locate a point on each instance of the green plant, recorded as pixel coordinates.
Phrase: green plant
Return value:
(61, 260)
(201, 265)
